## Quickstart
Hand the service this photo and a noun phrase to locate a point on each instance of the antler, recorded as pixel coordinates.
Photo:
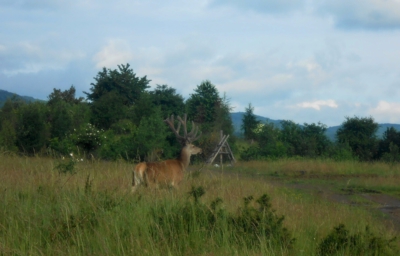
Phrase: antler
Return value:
(187, 138)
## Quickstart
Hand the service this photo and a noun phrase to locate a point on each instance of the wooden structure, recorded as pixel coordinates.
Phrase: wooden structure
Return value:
(221, 149)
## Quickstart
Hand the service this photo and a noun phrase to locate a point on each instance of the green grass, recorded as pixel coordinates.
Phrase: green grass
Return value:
(92, 212)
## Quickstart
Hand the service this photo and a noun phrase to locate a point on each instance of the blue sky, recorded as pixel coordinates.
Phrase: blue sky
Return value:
(307, 61)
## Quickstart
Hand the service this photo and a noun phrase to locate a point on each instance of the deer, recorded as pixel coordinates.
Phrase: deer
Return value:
(169, 172)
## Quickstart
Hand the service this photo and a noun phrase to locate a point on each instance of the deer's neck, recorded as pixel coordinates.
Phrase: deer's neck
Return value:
(184, 158)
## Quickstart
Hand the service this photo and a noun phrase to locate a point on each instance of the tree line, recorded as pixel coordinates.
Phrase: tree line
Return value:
(356, 139)
(121, 117)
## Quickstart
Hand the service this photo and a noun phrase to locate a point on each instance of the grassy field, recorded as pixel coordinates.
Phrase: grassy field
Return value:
(90, 210)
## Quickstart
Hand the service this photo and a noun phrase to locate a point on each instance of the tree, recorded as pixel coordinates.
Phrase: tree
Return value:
(113, 93)
(223, 120)
(151, 134)
(67, 96)
(249, 123)
(206, 108)
(8, 123)
(314, 141)
(269, 142)
(203, 103)
(390, 136)
(32, 128)
(360, 134)
(291, 136)
(170, 102)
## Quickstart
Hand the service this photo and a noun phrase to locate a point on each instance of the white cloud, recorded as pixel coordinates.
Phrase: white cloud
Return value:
(367, 14)
(270, 6)
(310, 70)
(116, 52)
(32, 57)
(386, 112)
(317, 105)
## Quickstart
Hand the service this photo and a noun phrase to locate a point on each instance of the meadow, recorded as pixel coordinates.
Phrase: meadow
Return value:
(253, 208)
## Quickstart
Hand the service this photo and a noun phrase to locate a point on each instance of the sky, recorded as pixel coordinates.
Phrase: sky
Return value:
(307, 61)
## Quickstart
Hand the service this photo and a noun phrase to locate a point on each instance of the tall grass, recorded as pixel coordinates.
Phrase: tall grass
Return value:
(92, 212)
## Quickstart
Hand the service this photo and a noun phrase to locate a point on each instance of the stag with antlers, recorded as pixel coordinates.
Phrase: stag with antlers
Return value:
(169, 172)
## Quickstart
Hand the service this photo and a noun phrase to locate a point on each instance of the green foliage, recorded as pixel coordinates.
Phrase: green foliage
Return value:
(60, 119)
(170, 102)
(88, 137)
(202, 104)
(64, 146)
(223, 121)
(291, 136)
(251, 153)
(65, 112)
(249, 227)
(196, 193)
(8, 137)
(144, 107)
(341, 152)
(150, 135)
(113, 93)
(314, 141)
(68, 166)
(292, 140)
(268, 137)
(387, 146)
(249, 123)
(129, 142)
(32, 128)
(360, 134)
(393, 156)
(67, 96)
(119, 105)
(108, 110)
(253, 225)
(8, 124)
(341, 242)
(212, 113)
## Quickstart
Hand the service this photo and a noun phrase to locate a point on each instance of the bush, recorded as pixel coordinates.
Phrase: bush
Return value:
(196, 224)
(340, 242)
(251, 153)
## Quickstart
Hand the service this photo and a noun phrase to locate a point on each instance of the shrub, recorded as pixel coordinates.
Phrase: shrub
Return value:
(193, 221)
(252, 225)
(251, 153)
(340, 242)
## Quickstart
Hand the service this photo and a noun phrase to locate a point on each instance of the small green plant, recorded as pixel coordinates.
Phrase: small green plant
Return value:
(196, 193)
(66, 167)
(252, 224)
(340, 242)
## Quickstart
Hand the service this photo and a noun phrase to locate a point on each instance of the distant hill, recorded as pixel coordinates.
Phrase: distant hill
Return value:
(330, 132)
(4, 95)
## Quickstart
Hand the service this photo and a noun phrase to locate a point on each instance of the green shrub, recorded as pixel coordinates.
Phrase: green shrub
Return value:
(197, 224)
(251, 153)
(252, 225)
(67, 166)
(340, 242)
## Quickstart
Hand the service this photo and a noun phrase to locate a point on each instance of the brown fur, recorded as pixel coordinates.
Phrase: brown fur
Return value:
(167, 173)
